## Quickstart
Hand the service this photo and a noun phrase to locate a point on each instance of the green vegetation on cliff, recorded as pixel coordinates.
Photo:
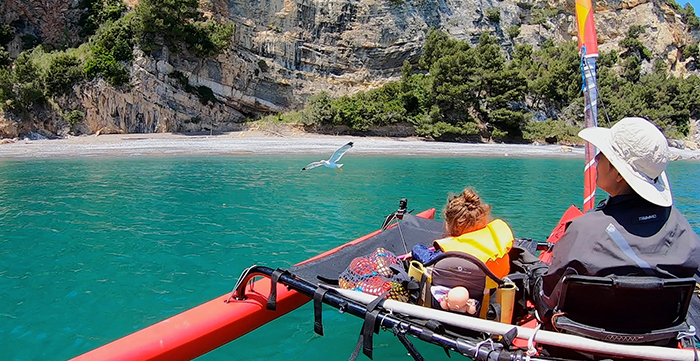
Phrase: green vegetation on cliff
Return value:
(20, 86)
(179, 22)
(460, 92)
(98, 12)
(112, 34)
(110, 49)
(457, 90)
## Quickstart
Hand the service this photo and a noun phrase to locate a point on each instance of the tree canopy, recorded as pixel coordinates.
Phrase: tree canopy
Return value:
(468, 92)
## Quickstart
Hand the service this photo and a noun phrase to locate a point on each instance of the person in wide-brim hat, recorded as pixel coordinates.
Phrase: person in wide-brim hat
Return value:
(636, 231)
(639, 153)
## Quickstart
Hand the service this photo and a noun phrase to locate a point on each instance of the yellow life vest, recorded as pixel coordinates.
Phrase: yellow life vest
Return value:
(489, 244)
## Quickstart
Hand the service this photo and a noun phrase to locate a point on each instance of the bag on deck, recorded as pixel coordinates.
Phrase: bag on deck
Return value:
(495, 296)
(380, 273)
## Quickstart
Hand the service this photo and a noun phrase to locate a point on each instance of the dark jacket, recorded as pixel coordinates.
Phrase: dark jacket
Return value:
(625, 235)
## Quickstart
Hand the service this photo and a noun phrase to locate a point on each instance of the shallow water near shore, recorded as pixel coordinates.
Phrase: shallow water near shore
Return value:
(94, 249)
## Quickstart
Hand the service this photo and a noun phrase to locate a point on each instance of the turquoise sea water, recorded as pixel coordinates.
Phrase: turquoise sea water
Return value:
(94, 249)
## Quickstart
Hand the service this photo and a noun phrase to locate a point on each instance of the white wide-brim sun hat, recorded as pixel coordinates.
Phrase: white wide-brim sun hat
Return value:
(639, 152)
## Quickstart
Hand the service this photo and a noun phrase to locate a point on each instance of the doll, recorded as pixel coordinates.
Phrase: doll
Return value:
(457, 300)
(454, 299)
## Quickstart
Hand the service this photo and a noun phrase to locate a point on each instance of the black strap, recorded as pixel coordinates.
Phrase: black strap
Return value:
(401, 334)
(368, 328)
(328, 280)
(364, 342)
(435, 326)
(272, 299)
(372, 305)
(432, 328)
(318, 309)
(356, 351)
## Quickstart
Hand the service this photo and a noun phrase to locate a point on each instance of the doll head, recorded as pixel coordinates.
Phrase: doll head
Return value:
(457, 300)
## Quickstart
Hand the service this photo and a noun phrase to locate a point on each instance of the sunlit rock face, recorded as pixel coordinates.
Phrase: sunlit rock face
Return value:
(284, 51)
(47, 21)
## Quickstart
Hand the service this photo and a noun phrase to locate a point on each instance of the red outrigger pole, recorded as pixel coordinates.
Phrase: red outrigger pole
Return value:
(588, 49)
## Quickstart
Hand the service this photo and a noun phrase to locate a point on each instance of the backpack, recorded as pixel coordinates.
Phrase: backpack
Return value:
(495, 296)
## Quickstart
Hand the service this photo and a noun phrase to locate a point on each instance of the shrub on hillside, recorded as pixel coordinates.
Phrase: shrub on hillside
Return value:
(74, 117)
(98, 12)
(513, 31)
(175, 22)
(112, 45)
(63, 71)
(551, 131)
(318, 110)
(108, 67)
(7, 95)
(5, 60)
(689, 17)
(23, 86)
(6, 34)
(209, 38)
(493, 15)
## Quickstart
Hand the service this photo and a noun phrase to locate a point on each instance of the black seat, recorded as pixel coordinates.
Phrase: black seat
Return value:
(624, 309)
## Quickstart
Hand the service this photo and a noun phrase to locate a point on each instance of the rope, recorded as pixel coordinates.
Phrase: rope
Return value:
(583, 71)
(691, 336)
(531, 349)
(478, 347)
(403, 240)
(584, 66)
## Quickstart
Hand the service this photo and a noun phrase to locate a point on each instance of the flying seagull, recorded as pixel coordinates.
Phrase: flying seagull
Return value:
(331, 162)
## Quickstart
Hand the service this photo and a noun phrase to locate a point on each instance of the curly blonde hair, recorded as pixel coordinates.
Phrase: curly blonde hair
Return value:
(465, 213)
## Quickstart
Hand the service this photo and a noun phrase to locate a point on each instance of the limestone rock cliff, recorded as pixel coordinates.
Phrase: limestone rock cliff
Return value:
(46, 21)
(283, 51)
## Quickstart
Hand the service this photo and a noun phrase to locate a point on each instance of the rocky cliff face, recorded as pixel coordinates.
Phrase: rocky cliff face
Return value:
(286, 50)
(48, 21)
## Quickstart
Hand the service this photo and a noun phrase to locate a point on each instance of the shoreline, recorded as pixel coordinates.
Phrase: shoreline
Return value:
(266, 143)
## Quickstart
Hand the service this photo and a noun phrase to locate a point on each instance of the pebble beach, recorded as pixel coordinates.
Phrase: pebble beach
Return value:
(265, 143)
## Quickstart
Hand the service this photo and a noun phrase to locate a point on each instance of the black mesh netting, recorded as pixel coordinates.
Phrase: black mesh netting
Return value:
(411, 229)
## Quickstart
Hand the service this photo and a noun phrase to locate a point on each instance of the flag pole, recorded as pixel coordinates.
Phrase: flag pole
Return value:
(588, 50)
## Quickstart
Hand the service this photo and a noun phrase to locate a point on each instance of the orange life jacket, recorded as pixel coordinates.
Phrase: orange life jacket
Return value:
(489, 244)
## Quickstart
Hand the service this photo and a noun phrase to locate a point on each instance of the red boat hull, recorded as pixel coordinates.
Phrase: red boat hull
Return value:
(210, 325)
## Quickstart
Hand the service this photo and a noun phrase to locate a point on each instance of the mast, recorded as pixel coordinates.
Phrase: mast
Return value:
(588, 50)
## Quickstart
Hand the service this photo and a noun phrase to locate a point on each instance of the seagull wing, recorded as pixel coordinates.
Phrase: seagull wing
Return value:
(313, 165)
(340, 152)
